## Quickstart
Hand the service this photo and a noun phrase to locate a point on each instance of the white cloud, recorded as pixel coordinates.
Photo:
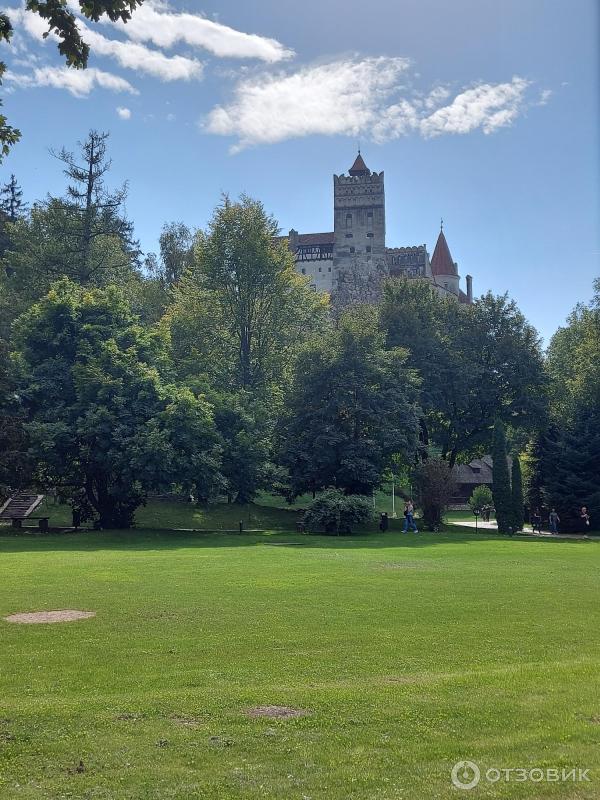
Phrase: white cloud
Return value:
(367, 97)
(487, 106)
(340, 97)
(76, 81)
(156, 22)
(127, 54)
(143, 59)
(124, 113)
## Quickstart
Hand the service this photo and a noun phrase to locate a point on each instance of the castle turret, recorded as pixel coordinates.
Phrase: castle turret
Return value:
(444, 270)
(359, 262)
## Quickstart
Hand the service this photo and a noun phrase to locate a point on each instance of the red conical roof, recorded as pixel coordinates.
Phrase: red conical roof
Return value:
(442, 263)
(359, 167)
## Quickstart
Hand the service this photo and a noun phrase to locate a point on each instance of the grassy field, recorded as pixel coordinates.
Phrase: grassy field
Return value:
(407, 653)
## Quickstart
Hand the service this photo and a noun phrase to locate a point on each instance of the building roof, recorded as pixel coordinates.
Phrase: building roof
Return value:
(463, 298)
(359, 167)
(316, 238)
(441, 262)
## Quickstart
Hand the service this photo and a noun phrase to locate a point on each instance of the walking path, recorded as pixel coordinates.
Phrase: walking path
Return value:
(491, 526)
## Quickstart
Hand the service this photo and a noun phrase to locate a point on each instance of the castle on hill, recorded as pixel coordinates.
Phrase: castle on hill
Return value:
(352, 261)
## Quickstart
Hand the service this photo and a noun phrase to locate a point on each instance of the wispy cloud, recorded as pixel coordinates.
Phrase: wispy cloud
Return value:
(487, 106)
(124, 113)
(130, 55)
(340, 97)
(78, 82)
(143, 59)
(157, 22)
(370, 97)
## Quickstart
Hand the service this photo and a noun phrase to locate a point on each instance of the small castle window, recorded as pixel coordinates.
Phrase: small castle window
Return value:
(369, 219)
(348, 220)
(329, 269)
(349, 236)
(303, 271)
(319, 269)
(368, 248)
(351, 249)
(370, 235)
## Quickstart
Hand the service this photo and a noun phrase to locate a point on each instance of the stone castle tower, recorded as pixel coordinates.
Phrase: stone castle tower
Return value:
(352, 261)
(359, 235)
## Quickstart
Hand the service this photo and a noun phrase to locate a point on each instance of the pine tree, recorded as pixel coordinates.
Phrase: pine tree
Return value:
(517, 495)
(572, 468)
(501, 480)
(11, 200)
(90, 218)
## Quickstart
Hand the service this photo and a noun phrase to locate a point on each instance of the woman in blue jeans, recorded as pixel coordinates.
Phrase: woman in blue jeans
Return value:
(409, 520)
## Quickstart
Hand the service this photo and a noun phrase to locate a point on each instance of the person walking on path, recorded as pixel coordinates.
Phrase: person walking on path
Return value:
(536, 521)
(585, 519)
(554, 521)
(409, 520)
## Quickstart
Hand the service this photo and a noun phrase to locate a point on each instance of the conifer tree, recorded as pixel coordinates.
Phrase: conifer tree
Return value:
(11, 200)
(517, 495)
(501, 480)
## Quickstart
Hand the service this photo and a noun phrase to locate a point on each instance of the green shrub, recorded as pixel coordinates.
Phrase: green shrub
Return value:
(481, 499)
(335, 512)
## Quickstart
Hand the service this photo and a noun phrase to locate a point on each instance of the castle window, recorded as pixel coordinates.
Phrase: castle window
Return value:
(348, 220)
(303, 271)
(368, 248)
(370, 235)
(319, 269)
(349, 236)
(329, 269)
(351, 249)
(369, 219)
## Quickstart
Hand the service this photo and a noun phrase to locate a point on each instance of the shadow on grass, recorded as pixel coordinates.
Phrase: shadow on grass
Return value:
(139, 539)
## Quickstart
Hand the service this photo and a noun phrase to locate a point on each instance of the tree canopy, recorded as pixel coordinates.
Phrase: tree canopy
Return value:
(351, 408)
(104, 425)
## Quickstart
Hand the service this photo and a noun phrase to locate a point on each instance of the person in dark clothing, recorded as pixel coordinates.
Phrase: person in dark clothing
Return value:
(584, 516)
(536, 521)
(384, 522)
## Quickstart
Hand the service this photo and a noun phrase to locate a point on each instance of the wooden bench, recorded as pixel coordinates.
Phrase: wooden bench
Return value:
(21, 507)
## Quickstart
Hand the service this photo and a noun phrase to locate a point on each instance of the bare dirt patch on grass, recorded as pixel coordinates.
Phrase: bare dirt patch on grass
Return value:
(49, 617)
(277, 712)
(185, 722)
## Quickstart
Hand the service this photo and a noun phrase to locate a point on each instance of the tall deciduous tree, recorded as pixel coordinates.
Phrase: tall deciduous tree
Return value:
(242, 311)
(479, 363)
(501, 489)
(351, 408)
(103, 425)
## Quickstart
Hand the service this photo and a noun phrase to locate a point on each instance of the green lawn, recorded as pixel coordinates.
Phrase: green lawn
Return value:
(268, 513)
(410, 653)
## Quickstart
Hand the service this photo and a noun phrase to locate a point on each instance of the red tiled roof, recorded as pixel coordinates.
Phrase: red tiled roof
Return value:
(316, 238)
(359, 167)
(442, 263)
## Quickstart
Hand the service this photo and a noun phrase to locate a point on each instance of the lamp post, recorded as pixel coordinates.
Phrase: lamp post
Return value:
(393, 497)
(476, 512)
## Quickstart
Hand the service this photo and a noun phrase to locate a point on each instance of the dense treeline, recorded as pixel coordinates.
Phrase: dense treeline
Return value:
(212, 369)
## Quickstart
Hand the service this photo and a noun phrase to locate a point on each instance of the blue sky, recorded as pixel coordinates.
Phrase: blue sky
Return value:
(480, 112)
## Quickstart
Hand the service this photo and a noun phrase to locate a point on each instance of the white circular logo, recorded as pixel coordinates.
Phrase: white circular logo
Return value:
(465, 775)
